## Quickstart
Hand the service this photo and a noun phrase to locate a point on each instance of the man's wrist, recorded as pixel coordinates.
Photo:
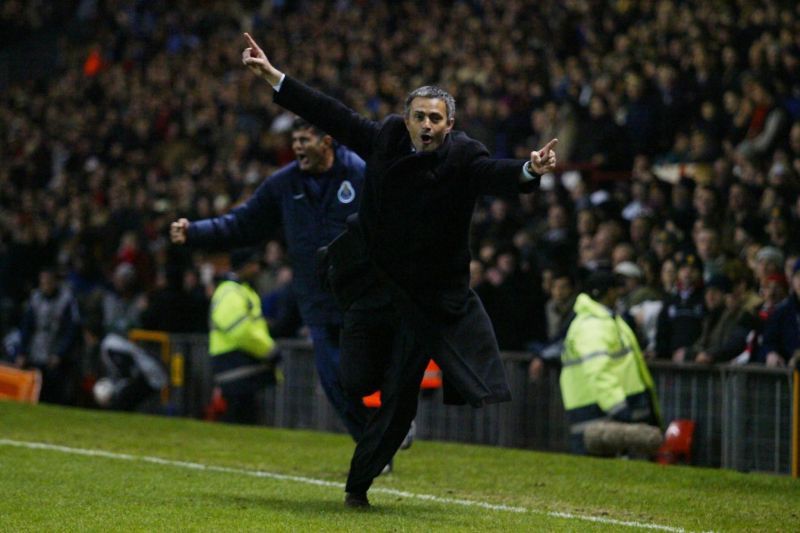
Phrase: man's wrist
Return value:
(276, 80)
(528, 173)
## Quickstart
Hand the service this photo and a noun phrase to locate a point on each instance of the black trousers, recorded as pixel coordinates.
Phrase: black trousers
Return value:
(380, 350)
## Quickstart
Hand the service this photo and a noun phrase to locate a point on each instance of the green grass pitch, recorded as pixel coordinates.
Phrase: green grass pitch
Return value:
(78, 470)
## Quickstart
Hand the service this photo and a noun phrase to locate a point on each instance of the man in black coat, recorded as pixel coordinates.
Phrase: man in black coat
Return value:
(402, 269)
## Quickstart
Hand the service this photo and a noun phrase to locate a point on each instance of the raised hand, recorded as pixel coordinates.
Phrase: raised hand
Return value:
(256, 60)
(544, 159)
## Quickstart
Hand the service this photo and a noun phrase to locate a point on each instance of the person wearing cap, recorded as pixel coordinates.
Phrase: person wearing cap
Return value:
(634, 290)
(604, 375)
(726, 324)
(782, 329)
(680, 321)
(768, 260)
(243, 354)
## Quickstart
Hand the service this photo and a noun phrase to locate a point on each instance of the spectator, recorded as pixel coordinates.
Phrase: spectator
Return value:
(633, 290)
(130, 377)
(123, 304)
(768, 261)
(49, 337)
(709, 251)
(559, 313)
(173, 307)
(767, 121)
(726, 324)
(773, 292)
(596, 136)
(681, 318)
(782, 329)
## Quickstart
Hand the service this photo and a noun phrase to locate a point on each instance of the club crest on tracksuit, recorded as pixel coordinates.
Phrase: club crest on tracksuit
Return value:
(346, 193)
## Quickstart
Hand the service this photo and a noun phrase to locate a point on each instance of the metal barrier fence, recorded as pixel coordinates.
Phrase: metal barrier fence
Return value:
(743, 414)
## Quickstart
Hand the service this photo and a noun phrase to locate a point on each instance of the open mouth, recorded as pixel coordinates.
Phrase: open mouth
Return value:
(427, 138)
(302, 159)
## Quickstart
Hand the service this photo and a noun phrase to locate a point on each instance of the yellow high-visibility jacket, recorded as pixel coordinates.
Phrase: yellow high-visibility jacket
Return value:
(237, 323)
(603, 370)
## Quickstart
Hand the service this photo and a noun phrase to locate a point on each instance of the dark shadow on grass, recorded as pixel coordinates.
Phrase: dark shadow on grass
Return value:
(381, 504)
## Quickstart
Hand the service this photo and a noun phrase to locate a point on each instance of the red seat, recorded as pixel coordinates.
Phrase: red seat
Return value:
(677, 446)
(216, 407)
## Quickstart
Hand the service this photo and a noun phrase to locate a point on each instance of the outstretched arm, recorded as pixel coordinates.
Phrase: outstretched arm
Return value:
(245, 225)
(328, 114)
(506, 177)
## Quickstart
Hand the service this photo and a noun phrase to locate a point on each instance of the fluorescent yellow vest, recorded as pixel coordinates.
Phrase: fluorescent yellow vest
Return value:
(237, 323)
(602, 363)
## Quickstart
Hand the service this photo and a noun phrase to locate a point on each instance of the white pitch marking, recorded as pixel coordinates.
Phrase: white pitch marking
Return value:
(323, 483)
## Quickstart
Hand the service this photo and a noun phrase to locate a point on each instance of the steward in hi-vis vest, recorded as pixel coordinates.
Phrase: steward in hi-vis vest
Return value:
(603, 375)
(243, 355)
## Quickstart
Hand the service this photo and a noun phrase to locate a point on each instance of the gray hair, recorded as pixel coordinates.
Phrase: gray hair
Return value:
(432, 91)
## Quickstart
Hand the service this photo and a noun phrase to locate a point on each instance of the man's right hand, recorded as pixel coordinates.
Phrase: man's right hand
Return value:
(178, 231)
(255, 59)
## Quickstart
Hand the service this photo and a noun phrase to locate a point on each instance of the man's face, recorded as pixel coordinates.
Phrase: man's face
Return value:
(314, 152)
(249, 271)
(561, 289)
(427, 123)
(714, 297)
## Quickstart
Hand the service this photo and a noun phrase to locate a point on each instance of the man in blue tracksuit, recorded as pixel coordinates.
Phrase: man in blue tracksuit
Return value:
(310, 198)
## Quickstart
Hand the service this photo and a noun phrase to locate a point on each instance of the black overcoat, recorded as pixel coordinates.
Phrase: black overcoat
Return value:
(415, 215)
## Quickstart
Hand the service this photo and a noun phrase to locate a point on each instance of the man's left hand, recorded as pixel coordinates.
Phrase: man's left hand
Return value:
(544, 160)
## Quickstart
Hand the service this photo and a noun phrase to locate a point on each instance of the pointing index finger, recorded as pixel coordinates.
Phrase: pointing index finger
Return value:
(251, 42)
(547, 147)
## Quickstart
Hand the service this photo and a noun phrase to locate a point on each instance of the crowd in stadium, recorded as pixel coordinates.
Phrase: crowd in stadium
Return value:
(678, 122)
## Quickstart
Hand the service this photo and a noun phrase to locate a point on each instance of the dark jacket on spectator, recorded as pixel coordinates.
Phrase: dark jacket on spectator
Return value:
(680, 323)
(782, 330)
(724, 334)
(50, 326)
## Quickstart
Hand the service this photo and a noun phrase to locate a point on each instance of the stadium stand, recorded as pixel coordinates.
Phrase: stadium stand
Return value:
(677, 120)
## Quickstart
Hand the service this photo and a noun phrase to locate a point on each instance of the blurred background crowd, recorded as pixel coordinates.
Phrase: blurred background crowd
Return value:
(678, 121)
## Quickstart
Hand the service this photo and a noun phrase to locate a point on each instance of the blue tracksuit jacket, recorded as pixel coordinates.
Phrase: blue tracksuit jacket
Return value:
(308, 223)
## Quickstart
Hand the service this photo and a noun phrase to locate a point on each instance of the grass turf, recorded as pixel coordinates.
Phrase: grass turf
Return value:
(45, 489)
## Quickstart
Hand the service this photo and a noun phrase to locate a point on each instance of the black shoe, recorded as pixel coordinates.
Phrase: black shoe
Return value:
(356, 500)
